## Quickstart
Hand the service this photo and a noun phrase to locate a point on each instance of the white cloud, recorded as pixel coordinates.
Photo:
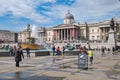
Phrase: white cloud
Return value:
(81, 9)
(23, 8)
(86, 9)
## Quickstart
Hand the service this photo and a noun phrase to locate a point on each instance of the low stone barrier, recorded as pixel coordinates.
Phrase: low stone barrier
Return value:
(42, 53)
(4, 53)
(69, 53)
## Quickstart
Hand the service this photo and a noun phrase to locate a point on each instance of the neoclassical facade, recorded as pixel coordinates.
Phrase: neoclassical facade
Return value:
(70, 31)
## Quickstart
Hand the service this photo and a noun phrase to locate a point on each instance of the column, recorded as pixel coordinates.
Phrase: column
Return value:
(59, 34)
(74, 34)
(67, 34)
(64, 34)
(101, 34)
(104, 34)
(70, 34)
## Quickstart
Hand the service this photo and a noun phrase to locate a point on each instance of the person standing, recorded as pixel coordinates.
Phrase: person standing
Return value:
(102, 51)
(28, 52)
(53, 49)
(113, 50)
(63, 52)
(90, 54)
(58, 50)
(14, 50)
(18, 56)
(81, 49)
(11, 51)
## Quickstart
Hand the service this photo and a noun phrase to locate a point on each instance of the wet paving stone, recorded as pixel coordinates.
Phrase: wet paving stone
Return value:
(24, 76)
(43, 77)
(117, 66)
(15, 75)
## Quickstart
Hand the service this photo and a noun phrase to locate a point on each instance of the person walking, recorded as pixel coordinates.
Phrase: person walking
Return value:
(90, 54)
(18, 56)
(28, 52)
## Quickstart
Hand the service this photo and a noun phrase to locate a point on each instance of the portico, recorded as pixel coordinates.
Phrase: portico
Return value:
(65, 33)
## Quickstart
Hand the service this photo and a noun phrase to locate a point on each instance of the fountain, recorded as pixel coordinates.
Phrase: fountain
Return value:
(35, 42)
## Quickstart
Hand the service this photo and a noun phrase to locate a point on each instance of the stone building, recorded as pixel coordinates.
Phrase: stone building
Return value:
(8, 36)
(67, 31)
(70, 31)
(23, 35)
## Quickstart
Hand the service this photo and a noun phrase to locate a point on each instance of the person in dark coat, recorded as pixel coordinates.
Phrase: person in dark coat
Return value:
(113, 50)
(102, 51)
(28, 52)
(53, 49)
(18, 56)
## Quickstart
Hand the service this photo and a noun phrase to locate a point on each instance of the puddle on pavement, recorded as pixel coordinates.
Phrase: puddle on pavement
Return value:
(15, 75)
(112, 75)
(27, 76)
(117, 66)
(51, 69)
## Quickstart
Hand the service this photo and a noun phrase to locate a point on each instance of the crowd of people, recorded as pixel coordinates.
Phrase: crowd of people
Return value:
(88, 51)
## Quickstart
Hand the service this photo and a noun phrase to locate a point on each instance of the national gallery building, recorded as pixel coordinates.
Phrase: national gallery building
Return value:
(70, 31)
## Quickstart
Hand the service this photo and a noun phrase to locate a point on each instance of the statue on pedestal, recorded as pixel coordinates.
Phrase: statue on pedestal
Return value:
(112, 24)
(111, 37)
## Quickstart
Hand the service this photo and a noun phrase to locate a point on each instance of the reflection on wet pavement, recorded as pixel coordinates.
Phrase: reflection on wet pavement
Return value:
(26, 76)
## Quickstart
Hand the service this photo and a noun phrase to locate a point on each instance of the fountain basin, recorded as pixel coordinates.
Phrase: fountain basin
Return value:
(73, 52)
(31, 46)
(4, 53)
(42, 53)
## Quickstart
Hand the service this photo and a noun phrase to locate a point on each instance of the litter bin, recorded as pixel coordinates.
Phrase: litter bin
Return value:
(83, 60)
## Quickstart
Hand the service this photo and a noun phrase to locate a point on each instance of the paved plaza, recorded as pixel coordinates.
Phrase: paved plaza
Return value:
(56, 68)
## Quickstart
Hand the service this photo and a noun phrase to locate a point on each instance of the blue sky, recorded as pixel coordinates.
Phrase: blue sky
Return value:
(16, 14)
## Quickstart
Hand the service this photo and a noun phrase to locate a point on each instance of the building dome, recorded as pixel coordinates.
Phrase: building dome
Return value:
(69, 15)
(69, 19)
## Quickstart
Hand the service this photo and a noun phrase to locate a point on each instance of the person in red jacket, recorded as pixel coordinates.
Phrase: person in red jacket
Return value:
(81, 49)
(58, 50)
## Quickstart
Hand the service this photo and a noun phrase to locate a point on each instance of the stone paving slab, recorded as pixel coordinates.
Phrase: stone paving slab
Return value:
(43, 68)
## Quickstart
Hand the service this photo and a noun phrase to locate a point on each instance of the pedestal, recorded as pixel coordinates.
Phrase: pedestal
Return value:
(111, 39)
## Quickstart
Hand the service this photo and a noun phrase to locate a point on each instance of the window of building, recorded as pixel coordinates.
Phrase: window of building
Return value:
(98, 37)
(49, 39)
(49, 33)
(92, 30)
(98, 30)
(93, 37)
